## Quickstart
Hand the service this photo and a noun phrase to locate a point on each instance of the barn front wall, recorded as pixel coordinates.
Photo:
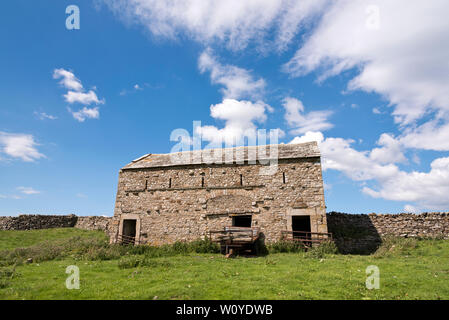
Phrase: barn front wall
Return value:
(184, 203)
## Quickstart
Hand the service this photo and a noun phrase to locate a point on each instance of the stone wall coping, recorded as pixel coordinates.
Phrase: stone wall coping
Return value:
(46, 221)
(53, 215)
(402, 214)
(240, 154)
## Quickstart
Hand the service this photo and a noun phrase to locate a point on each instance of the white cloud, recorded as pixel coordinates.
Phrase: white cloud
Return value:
(428, 189)
(44, 116)
(23, 190)
(357, 165)
(431, 135)
(326, 186)
(20, 146)
(304, 122)
(235, 23)
(69, 81)
(77, 94)
(137, 87)
(389, 152)
(309, 136)
(295, 16)
(86, 113)
(404, 59)
(377, 111)
(28, 190)
(140, 87)
(86, 98)
(400, 47)
(239, 112)
(239, 117)
(411, 209)
(13, 196)
(238, 83)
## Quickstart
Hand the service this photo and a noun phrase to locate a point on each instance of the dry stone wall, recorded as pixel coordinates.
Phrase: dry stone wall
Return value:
(353, 233)
(32, 222)
(93, 223)
(362, 233)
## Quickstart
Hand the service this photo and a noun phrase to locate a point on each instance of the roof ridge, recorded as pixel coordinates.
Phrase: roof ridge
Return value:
(194, 157)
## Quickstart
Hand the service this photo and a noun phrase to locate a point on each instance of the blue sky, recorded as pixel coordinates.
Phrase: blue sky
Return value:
(365, 81)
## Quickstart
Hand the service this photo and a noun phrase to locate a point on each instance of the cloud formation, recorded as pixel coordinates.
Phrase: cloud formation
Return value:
(428, 189)
(309, 136)
(239, 117)
(44, 116)
(431, 135)
(234, 23)
(237, 82)
(399, 47)
(68, 79)
(28, 190)
(19, 146)
(379, 166)
(304, 122)
(85, 113)
(86, 98)
(77, 94)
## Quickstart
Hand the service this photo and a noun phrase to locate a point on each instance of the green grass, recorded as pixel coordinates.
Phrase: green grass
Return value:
(409, 269)
(10, 239)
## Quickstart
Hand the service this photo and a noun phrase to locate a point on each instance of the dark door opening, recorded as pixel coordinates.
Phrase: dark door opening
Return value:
(241, 221)
(129, 231)
(301, 227)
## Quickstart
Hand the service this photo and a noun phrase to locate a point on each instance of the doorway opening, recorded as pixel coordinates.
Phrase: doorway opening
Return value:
(129, 231)
(242, 221)
(301, 227)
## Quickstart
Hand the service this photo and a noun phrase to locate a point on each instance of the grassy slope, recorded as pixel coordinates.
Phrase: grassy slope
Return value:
(14, 239)
(422, 273)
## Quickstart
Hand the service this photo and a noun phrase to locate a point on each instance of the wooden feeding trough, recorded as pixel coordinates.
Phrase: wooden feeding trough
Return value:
(236, 239)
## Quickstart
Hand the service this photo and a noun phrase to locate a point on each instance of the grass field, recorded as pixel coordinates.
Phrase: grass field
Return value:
(409, 269)
(26, 238)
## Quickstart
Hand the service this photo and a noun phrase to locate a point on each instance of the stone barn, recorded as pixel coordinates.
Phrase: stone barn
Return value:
(163, 198)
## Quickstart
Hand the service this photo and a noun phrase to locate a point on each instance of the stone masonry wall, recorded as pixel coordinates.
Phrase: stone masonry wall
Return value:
(186, 202)
(362, 233)
(32, 222)
(93, 223)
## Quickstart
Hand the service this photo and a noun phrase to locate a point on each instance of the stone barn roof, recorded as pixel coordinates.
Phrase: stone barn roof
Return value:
(246, 153)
